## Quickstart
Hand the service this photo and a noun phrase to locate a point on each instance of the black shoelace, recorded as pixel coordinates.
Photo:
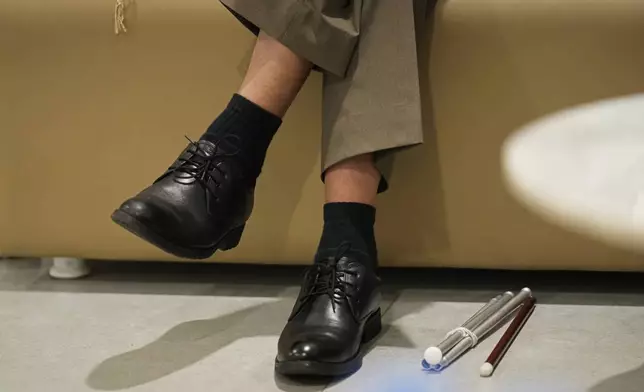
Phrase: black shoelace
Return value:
(330, 279)
(201, 166)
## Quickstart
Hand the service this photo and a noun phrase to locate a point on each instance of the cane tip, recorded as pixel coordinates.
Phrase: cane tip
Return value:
(486, 370)
(433, 356)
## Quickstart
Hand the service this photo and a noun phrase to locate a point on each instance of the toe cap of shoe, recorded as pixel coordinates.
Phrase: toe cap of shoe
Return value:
(322, 347)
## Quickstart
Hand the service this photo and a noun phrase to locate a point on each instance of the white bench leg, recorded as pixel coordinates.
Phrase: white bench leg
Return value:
(68, 268)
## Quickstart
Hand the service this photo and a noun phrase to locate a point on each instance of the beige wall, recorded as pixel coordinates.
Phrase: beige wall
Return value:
(88, 118)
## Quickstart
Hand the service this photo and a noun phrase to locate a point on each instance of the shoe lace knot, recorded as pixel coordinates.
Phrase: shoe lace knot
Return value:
(329, 277)
(201, 165)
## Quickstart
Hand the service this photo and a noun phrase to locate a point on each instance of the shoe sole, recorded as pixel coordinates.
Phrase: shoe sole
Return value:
(372, 328)
(143, 231)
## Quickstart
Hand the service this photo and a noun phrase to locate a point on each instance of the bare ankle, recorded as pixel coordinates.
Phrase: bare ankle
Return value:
(354, 180)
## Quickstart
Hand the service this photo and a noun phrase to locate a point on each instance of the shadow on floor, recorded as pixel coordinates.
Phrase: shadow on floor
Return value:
(631, 381)
(192, 341)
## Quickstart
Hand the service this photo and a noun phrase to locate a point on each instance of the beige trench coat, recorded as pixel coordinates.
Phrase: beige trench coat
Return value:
(367, 51)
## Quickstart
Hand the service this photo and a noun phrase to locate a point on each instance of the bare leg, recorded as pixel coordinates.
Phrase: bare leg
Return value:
(275, 76)
(354, 180)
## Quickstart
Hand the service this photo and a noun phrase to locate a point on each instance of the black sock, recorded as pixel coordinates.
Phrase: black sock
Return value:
(253, 125)
(349, 223)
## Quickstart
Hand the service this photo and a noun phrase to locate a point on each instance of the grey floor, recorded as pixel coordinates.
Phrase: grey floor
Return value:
(168, 327)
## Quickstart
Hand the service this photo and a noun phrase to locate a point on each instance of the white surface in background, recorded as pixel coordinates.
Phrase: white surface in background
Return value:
(584, 169)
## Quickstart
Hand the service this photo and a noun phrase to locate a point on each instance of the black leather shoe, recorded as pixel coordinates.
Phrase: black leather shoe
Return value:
(338, 310)
(200, 204)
